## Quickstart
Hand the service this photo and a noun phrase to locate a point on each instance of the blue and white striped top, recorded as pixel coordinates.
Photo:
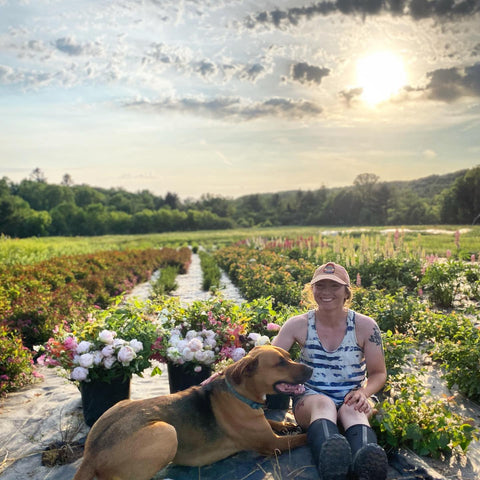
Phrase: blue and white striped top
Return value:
(334, 373)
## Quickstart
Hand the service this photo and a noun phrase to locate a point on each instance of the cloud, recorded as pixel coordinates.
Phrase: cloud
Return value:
(304, 73)
(450, 84)
(350, 95)
(429, 154)
(417, 9)
(230, 108)
(71, 47)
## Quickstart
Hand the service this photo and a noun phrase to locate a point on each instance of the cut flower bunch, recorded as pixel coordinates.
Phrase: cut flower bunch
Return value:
(203, 334)
(110, 344)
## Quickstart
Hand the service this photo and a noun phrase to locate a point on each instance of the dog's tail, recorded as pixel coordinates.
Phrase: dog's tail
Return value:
(85, 472)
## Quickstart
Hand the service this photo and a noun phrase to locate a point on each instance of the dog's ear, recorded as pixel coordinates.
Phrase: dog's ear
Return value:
(244, 367)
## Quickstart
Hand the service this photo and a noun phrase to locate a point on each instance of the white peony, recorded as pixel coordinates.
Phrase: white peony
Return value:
(108, 351)
(107, 336)
(136, 345)
(200, 356)
(254, 336)
(195, 344)
(187, 354)
(79, 373)
(262, 340)
(126, 355)
(191, 334)
(83, 347)
(109, 362)
(97, 357)
(86, 360)
(237, 354)
(209, 357)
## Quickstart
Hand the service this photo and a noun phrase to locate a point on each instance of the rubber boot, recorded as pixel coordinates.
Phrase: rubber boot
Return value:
(330, 450)
(369, 459)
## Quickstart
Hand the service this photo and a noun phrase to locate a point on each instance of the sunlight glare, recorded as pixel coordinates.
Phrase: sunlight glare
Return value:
(380, 75)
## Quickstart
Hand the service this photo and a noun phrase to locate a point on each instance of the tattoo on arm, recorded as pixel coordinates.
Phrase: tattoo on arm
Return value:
(376, 337)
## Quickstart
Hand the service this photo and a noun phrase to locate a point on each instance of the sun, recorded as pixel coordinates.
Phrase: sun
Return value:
(380, 75)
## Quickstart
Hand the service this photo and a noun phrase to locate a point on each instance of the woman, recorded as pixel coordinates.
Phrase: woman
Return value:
(342, 346)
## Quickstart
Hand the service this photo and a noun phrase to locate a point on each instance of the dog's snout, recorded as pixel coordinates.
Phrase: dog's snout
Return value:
(308, 371)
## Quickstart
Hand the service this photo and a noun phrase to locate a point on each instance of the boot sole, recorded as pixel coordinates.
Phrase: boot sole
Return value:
(335, 458)
(371, 463)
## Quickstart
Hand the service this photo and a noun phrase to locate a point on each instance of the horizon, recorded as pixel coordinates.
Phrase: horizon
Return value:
(237, 98)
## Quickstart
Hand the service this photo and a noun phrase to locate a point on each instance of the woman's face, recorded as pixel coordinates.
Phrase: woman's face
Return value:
(329, 294)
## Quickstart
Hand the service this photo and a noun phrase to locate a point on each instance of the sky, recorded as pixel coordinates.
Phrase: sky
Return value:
(232, 97)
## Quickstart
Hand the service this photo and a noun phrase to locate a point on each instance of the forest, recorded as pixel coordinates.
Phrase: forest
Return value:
(34, 207)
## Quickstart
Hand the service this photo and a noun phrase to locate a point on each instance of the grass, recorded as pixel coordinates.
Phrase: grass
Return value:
(33, 250)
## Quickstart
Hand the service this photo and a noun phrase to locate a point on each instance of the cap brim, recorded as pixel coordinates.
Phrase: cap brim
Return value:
(328, 276)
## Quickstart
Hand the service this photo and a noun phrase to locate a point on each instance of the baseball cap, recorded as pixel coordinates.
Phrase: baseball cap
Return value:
(331, 271)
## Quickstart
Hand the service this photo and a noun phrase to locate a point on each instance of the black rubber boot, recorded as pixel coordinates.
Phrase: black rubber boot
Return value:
(369, 459)
(330, 450)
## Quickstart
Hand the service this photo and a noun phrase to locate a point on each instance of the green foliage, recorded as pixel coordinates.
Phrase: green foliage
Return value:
(397, 347)
(442, 282)
(210, 271)
(410, 417)
(392, 311)
(166, 281)
(16, 364)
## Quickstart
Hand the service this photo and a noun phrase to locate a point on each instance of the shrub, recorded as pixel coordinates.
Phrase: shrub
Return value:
(16, 364)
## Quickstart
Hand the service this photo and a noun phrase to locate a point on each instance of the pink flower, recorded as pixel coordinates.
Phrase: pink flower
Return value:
(420, 292)
(449, 253)
(359, 280)
(70, 343)
(273, 327)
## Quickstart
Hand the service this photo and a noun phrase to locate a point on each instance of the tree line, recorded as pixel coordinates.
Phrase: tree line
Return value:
(34, 207)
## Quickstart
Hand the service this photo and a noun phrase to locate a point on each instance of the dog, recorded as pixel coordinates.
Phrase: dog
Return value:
(135, 439)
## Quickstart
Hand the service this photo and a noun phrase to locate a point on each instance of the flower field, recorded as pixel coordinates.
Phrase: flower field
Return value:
(423, 289)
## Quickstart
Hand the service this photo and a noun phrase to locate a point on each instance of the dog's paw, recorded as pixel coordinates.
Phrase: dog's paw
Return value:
(289, 428)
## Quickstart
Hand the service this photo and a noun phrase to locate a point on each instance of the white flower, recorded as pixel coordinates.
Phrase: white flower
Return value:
(86, 360)
(195, 344)
(209, 333)
(191, 334)
(136, 345)
(175, 339)
(97, 357)
(209, 357)
(83, 347)
(254, 336)
(109, 361)
(198, 369)
(79, 373)
(108, 351)
(210, 342)
(173, 354)
(262, 340)
(126, 355)
(107, 336)
(187, 354)
(118, 342)
(200, 356)
(237, 354)
(182, 345)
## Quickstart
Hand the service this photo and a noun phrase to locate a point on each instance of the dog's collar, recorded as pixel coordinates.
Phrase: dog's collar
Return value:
(246, 400)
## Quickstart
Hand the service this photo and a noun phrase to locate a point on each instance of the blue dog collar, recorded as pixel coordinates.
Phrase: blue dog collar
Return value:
(246, 400)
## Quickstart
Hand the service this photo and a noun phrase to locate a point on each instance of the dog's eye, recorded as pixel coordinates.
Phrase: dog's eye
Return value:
(282, 362)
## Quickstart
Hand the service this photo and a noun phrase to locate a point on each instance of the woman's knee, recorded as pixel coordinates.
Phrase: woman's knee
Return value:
(313, 407)
(348, 416)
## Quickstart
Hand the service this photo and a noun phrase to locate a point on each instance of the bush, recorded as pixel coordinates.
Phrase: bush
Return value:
(210, 270)
(16, 363)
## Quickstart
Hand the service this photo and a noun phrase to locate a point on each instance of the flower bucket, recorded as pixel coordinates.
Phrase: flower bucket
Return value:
(181, 377)
(98, 397)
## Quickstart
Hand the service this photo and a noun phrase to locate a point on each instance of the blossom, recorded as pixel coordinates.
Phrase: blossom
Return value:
(85, 360)
(126, 355)
(195, 344)
(70, 343)
(107, 336)
(108, 362)
(238, 353)
(136, 345)
(262, 340)
(273, 327)
(108, 351)
(83, 347)
(79, 373)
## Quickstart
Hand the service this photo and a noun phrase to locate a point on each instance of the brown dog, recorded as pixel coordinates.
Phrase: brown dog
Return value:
(137, 438)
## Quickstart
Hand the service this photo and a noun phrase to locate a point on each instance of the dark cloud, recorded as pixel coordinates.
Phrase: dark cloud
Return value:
(417, 9)
(349, 95)
(450, 84)
(252, 72)
(232, 108)
(206, 68)
(304, 73)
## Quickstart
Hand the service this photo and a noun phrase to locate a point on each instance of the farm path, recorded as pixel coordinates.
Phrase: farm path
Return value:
(34, 417)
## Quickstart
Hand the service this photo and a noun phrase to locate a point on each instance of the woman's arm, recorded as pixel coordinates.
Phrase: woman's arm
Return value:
(293, 330)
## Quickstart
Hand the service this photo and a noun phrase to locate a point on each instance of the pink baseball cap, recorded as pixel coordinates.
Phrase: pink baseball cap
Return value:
(331, 271)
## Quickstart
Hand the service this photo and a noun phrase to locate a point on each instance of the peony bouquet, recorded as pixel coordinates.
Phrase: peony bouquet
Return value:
(116, 343)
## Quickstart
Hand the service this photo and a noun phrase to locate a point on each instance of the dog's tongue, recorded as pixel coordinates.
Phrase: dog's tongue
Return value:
(290, 389)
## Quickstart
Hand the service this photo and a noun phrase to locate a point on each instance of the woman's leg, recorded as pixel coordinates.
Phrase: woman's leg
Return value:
(369, 459)
(330, 450)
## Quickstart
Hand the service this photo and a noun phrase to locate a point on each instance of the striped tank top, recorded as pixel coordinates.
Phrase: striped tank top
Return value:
(334, 373)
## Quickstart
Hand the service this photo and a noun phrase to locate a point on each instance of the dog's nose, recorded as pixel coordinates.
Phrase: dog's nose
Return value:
(308, 372)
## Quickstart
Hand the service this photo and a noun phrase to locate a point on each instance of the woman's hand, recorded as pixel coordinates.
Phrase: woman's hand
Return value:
(359, 401)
